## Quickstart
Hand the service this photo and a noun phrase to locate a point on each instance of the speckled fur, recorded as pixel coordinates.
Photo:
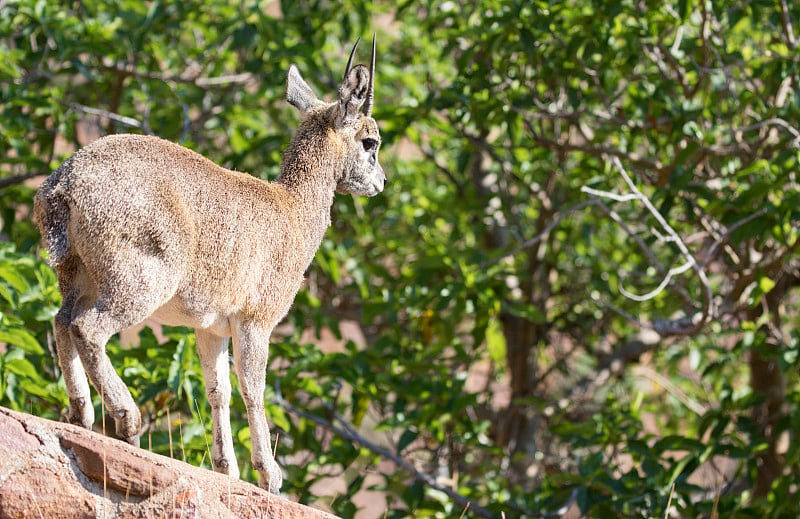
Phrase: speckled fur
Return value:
(139, 227)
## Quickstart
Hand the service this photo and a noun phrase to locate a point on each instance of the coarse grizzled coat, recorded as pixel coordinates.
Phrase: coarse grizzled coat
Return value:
(138, 227)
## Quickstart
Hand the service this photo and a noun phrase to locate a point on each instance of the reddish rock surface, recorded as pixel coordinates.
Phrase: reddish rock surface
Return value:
(53, 470)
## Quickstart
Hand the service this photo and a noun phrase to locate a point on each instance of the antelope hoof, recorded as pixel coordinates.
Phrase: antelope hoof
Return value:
(81, 414)
(271, 477)
(134, 440)
(128, 425)
(223, 466)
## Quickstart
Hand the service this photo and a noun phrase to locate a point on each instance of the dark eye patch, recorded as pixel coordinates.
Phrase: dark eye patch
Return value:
(369, 144)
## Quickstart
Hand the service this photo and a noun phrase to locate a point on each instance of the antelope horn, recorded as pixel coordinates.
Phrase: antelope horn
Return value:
(350, 59)
(371, 91)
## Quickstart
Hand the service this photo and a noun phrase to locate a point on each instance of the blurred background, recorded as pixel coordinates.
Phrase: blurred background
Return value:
(577, 296)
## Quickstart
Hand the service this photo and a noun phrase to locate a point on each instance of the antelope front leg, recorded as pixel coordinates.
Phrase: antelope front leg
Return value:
(213, 352)
(250, 352)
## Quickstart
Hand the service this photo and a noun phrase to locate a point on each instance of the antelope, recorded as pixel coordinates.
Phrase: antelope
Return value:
(137, 227)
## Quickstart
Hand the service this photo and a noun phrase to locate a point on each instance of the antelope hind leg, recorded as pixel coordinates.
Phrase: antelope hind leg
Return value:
(213, 352)
(81, 410)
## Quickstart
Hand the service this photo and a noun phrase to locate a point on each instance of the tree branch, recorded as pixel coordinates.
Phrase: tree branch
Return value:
(786, 22)
(542, 235)
(188, 77)
(772, 121)
(431, 156)
(609, 366)
(723, 238)
(347, 432)
(632, 157)
(651, 257)
(18, 179)
(127, 121)
(663, 326)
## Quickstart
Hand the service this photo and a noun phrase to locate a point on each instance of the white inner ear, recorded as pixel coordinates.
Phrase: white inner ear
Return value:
(298, 93)
(352, 94)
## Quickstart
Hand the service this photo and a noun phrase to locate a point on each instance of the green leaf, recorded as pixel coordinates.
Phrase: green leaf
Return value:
(529, 312)
(12, 275)
(22, 338)
(279, 418)
(21, 367)
(765, 284)
(408, 436)
(360, 408)
(5, 294)
(495, 341)
(175, 373)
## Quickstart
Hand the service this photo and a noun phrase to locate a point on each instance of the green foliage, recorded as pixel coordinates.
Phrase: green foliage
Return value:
(28, 299)
(500, 351)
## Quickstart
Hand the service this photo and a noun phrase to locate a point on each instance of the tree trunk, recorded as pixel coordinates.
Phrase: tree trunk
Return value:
(50, 469)
(766, 378)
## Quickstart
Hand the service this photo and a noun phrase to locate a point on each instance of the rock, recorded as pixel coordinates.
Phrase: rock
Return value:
(54, 470)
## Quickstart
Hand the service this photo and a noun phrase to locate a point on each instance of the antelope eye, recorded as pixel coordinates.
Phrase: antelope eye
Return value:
(369, 144)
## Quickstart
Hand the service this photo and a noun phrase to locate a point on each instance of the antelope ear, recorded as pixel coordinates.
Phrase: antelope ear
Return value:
(298, 93)
(353, 92)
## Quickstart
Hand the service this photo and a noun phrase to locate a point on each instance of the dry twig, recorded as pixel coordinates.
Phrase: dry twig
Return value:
(347, 432)
(664, 327)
